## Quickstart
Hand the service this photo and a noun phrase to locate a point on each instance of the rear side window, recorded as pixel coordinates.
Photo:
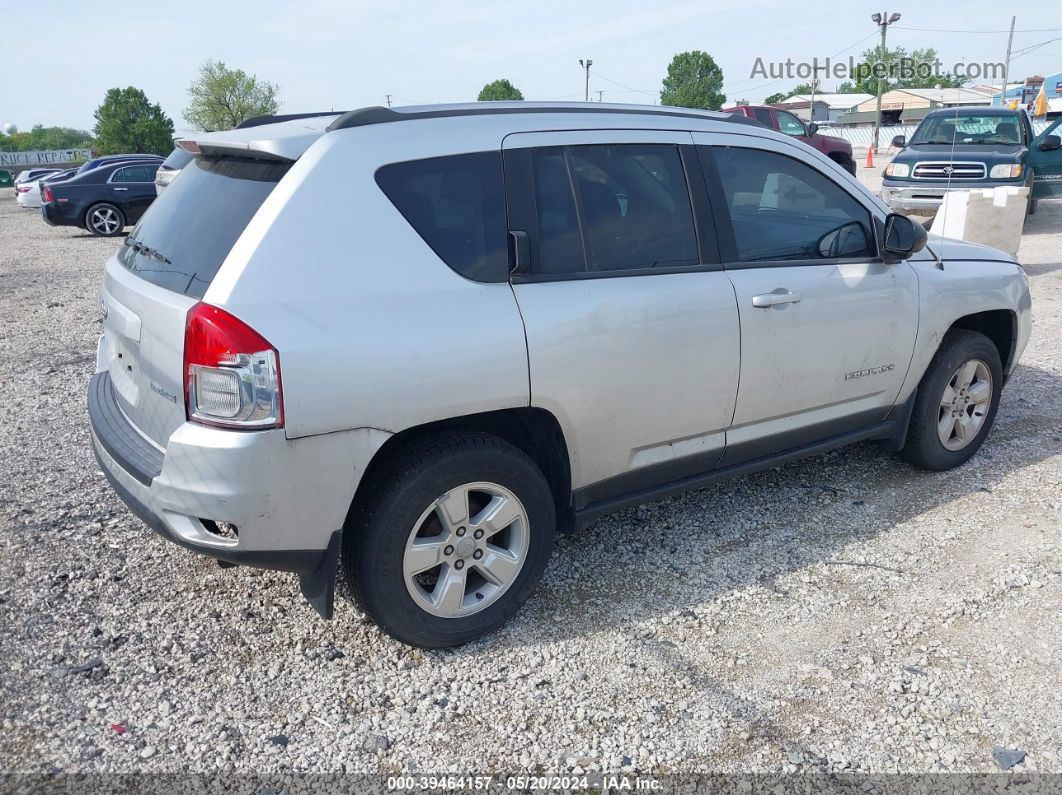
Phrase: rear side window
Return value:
(184, 237)
(457, 205)
(135, 174)
(763, 116)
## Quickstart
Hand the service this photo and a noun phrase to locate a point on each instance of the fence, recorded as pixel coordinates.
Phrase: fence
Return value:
(864, 136)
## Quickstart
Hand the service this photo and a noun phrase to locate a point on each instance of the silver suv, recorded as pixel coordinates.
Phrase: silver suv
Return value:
(419, 341)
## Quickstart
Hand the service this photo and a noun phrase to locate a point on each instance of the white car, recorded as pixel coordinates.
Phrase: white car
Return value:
(414, 343)
(29, 193)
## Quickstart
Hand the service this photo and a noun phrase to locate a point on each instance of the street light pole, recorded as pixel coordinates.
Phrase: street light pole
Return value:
(883, 21)
(586, 65)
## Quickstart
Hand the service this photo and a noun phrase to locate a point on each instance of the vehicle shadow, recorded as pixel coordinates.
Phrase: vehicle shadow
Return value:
(678, 556)
(684, 552)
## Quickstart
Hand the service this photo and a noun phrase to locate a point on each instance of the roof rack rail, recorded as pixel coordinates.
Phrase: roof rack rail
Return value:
(377, 114)
(258, 121)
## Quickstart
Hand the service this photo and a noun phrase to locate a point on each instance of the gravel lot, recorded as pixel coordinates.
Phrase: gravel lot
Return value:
(841, 613)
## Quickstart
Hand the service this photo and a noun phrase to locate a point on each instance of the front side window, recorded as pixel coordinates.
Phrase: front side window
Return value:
(629, 201)
(783, 209)
(790, 124)
(457, 205)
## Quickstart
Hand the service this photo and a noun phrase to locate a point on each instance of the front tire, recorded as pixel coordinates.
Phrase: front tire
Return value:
(956, 402)
(104, 220)
(452, 539)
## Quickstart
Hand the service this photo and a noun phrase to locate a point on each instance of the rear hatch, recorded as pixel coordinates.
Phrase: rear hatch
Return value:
(162, 269)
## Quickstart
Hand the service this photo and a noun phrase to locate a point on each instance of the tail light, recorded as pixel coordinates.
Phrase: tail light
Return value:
(22, 189)
(46, 193)
(231, 373)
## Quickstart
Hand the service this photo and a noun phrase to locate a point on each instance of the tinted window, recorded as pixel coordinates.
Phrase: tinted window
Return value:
(184, 237)
(763, 116)
(635, 206)
(560, 247)
(177, 159)
(457, 205)
(783, 209)
(135, 174)
(789, 124)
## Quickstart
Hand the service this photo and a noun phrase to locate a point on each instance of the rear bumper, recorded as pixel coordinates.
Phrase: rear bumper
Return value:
(930, 195)
(288, 499)
(54, 216)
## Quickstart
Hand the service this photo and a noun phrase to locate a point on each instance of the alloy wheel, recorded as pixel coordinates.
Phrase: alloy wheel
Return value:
(466, 550)
(964, 405)
(104, 220)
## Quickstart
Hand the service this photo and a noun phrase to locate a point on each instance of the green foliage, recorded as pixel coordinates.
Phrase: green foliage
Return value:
(770, 100)
(694, 80)
(222, 98)
(127, 122)
(44, 138)
(915, 69)
(499, 90)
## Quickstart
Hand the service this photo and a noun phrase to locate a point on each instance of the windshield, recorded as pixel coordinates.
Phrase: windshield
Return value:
(968, 128)
(187, 233)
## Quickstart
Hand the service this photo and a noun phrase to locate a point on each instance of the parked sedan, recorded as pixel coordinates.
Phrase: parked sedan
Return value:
(104, 200)
(31, 174)
(6, 180)
(28, 192)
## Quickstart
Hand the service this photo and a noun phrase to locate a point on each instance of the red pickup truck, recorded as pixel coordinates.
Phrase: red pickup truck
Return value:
(783, 121)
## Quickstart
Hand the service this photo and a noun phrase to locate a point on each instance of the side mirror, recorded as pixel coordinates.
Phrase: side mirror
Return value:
(1050, 143)
(900, 141)
(813, 128)
(903, 237)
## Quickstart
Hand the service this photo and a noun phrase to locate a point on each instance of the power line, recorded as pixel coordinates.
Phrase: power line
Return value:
(628, 88)
(1003, 30)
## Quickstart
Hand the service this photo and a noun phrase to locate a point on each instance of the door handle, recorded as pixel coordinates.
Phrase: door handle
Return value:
(121, 188)
(775, 298)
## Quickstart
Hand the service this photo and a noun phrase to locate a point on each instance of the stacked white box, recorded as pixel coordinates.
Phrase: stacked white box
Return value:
(992, 216)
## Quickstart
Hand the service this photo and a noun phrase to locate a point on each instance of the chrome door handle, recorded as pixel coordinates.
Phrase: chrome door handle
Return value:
(779, 296)
(121, 188)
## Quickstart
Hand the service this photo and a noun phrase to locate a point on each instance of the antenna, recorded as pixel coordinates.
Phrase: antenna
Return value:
(947, 186)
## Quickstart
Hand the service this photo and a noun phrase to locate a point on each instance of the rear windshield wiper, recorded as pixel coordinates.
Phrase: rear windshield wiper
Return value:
(147, 251)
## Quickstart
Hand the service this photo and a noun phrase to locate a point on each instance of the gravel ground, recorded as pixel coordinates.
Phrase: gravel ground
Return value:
(842, 613)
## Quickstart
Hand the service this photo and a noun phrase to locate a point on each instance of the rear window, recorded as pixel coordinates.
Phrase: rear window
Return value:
(182, 240)
(177, 159)
(457, 205)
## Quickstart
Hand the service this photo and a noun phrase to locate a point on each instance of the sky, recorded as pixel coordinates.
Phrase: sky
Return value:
(331, 54)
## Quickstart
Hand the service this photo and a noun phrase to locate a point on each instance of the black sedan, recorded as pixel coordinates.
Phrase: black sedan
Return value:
(103, 200)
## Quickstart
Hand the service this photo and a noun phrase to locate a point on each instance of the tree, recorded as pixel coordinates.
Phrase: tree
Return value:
(770, 100)
(915, 69)
(127, 122)
(222, 98)
(41, 137)
(694, 80)
(499, 90)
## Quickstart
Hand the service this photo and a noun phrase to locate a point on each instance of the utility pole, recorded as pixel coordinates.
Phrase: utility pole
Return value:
(586, 65)
(1006, 64)
(600, 95)
(388, 100)
(883, 20)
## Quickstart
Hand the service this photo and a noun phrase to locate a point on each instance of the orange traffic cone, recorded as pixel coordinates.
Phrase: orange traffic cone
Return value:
(870, 157)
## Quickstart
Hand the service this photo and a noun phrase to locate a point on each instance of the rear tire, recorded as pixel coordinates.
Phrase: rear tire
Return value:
(956, 402)
(104, 220)
(451, 539)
